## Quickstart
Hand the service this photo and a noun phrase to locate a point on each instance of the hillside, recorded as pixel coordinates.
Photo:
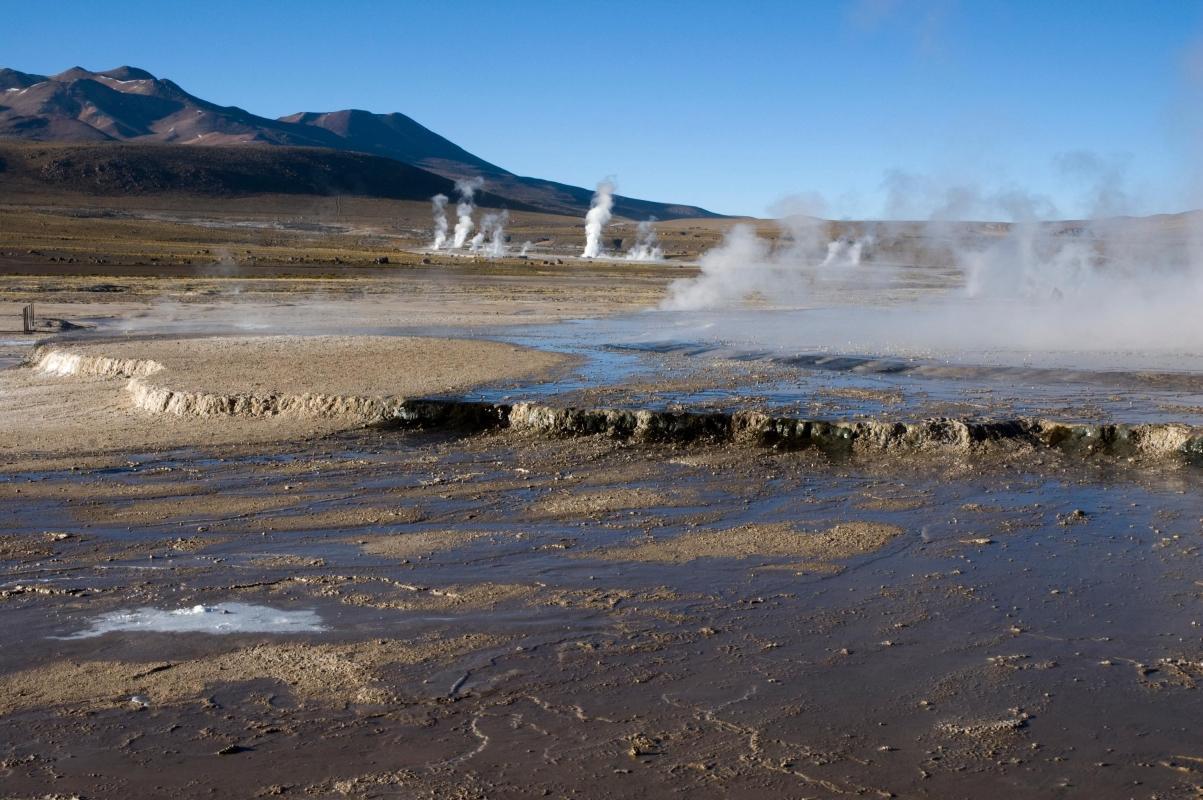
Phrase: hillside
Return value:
(130, 105)
(110, 168)
(397, 136)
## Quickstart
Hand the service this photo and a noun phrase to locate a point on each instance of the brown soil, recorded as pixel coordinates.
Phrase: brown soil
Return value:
(424, 543)
(591, 503)
(842, 541)
(329, 673)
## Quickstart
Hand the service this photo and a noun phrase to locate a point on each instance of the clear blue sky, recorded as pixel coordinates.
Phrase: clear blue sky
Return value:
(727, 105)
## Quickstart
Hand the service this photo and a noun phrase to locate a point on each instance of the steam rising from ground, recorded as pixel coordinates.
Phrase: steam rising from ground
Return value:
(961, 289)
(786, 271)
(600, 211)
(490, 240)
(439, 209)
(647, 246)
(467, 189)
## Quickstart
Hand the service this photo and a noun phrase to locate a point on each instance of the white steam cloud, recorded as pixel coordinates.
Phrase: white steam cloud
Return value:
(439, 209)
(1021, 289)
(490, 239)
(496, 229)
(467, 189)
(647, 245)
(803, 262)
(600, 211)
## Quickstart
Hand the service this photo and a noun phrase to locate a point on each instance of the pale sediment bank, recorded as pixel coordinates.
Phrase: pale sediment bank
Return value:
(150, 387)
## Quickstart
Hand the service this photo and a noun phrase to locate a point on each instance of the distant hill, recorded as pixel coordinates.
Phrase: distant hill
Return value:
(397, 136)
(130, 105)
(111, 168)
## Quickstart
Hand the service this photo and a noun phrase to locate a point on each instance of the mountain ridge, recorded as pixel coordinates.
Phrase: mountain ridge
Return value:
(130, 105)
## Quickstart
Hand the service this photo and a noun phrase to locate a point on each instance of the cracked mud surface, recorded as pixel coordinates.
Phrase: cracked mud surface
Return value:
(513, 616)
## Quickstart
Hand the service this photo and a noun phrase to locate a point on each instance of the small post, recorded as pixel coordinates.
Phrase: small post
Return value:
(27, 318)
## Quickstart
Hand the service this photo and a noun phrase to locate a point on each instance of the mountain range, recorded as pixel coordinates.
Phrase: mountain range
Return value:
(128, 105)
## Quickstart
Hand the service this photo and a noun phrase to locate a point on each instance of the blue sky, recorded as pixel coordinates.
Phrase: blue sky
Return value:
(728, 105)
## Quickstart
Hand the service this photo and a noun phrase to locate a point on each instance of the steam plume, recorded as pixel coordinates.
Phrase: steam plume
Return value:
(496, 228)
(467, 189)
(647, 246)
(439, 204)
(490, 239)
(1022, 288)
(597, 218)
(805, 262)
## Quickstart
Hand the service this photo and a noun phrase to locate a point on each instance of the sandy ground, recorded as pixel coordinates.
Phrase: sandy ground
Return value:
(88, 414)
(363, 366)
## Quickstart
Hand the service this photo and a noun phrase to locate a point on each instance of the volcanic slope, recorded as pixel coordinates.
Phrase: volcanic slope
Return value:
(128, 104)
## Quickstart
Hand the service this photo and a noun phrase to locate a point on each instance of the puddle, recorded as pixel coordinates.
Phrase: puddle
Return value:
(223, 618)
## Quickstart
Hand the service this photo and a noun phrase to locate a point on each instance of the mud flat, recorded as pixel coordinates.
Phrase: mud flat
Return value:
(535, 597)
(505, 615)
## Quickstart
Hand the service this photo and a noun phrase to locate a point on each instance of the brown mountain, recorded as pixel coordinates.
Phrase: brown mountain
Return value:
(131, 105)
(113, 168)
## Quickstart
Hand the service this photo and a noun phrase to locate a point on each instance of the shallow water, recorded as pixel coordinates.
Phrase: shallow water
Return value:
(1074, 637)
(726, 369)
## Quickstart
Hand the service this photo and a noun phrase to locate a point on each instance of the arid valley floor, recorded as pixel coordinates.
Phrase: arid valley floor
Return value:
(393, 565)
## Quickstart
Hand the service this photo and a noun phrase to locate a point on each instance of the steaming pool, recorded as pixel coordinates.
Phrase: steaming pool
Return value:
(868, 362)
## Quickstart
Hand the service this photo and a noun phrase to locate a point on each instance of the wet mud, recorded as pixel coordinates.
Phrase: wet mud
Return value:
(654, 570)
(507, 614)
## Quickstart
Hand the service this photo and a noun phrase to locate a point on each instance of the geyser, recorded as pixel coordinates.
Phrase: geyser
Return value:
(600, 211)
(496, 228)
(490, 239)
(647, 246)
(439, 209)
(787, 271)
(467, 189)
